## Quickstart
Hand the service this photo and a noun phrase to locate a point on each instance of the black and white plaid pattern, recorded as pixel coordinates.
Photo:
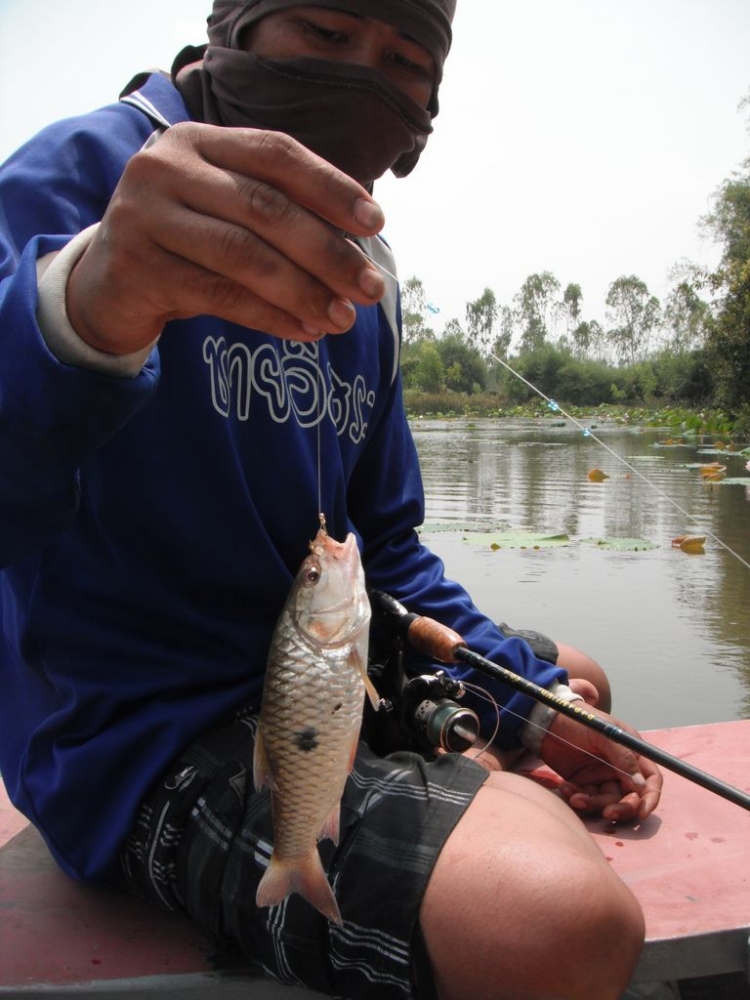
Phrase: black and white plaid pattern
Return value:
(204, 837)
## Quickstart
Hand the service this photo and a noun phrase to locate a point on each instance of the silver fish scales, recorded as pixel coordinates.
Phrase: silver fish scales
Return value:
(311, 715)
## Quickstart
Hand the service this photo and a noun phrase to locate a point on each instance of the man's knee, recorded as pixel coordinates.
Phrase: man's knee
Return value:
(580, 664)
(523, 904)
(601, 932)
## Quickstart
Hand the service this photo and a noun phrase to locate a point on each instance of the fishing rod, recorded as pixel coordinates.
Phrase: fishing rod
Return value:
(438, 642)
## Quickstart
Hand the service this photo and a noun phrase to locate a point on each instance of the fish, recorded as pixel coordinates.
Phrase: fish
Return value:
(311, 715)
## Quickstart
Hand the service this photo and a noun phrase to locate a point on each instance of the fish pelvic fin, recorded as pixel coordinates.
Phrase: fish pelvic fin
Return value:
(262, 775)
(330, 828)
(306, 878)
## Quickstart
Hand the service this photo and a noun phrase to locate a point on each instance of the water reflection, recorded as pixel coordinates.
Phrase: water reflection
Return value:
(672, 629)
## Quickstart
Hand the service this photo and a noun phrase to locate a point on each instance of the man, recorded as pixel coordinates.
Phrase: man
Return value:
(199, 353)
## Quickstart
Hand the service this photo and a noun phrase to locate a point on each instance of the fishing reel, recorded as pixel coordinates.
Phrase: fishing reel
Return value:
(418, 712)
(430, 715)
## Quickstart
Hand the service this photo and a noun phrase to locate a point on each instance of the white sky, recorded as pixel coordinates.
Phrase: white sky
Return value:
(583, 137)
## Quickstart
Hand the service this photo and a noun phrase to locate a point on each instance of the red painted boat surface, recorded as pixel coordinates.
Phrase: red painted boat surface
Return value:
(689, 866)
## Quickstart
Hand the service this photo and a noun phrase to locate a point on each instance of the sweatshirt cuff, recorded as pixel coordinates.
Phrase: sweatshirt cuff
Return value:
(536, 727)
(53, 271)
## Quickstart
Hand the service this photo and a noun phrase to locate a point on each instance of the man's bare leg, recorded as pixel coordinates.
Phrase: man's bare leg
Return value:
(522, 905)
(581, 665)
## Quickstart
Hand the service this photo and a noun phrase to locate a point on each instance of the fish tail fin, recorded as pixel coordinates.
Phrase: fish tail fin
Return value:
(307, 879)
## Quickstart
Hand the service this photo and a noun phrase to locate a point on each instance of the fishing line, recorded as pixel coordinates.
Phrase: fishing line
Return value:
(612, 730)
(439, 642)
(587, 432)
(372, 260)
(560, 739)
(318, 426)
(480, 692)
(485, 695)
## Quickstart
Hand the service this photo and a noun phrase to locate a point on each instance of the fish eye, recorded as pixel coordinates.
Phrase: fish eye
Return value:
(312, 575)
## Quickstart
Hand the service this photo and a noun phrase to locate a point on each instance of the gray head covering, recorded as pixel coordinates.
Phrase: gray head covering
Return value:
(426, 21)
(352, 116)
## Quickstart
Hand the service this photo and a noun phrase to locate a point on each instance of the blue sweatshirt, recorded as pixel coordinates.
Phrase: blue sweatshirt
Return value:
(150, 527)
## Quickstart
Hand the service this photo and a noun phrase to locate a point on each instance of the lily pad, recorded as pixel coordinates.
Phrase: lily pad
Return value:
(621, 544)
(723, 452)
(541, 444)
(459, 527)
(515, 540)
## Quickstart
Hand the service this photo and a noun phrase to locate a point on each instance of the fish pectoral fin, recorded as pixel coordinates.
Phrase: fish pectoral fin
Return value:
(372, 694)
(262, 775)
(306, 878)
(359, 660)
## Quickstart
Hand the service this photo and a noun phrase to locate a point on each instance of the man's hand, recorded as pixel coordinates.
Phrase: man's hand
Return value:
(601, 776)
(236, 223)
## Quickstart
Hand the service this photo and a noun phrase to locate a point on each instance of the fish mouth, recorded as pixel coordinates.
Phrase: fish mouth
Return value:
(346, 551)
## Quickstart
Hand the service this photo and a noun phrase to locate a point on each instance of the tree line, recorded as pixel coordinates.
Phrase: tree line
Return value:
(691, 349)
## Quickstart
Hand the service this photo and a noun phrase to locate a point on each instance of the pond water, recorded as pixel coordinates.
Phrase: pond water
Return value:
(671, 628)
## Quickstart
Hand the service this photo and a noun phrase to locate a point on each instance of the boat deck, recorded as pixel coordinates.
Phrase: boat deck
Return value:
(689, 866)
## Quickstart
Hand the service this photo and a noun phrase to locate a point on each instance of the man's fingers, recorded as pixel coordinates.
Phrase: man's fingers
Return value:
(624, 810)
(649, 799)
(287, 166)
(607, 801)
(612, 798)
(248, 217)
(253, 233)
(235, 267)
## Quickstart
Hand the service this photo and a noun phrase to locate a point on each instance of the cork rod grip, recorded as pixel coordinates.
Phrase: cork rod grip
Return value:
(436, 641)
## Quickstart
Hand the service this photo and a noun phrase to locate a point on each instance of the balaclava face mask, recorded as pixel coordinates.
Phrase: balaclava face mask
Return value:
(353, 116)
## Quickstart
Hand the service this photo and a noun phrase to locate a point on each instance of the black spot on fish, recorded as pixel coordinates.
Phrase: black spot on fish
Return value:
(306, 739)
(337, 708)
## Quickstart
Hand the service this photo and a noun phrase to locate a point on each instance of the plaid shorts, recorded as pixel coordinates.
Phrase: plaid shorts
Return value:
(204, 836)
